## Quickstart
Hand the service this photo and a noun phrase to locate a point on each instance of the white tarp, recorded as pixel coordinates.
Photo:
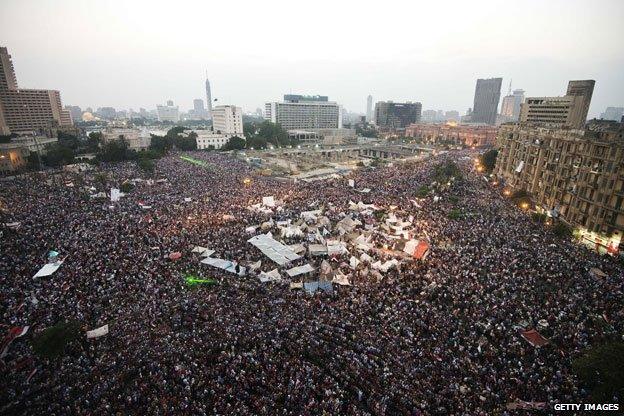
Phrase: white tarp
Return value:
(353, 262)
(410, 246)
(297, 248)
(385, 266)
(291, 231)
(273, 249)
(363, 190)
(98, 332)
(520, 166)
(48, 269)
(13, 225)
(317, 249)
(351, 183)
(296, 271)
(341, 279)
(335, 247)
(228, 266)
(115, 194)
(311, 215)
(272, 276)
(268, 201)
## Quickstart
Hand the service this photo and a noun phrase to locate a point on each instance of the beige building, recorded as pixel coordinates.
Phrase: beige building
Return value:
(136, 139)
(14, 155)
(569, 110)
(228, 120)
(27, 110)
(573, 173)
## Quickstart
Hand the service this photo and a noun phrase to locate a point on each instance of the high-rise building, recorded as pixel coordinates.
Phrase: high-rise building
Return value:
(168, 112)
(487, 95)
(27, 110)
(108, 113)
(452, 116)
(510, 108)
(569, 110)
(227, 120)
(369, 108)
(393, 115)
(613, 113)
(304, 112)
(576, 174)
(208, 97)
(198, 105)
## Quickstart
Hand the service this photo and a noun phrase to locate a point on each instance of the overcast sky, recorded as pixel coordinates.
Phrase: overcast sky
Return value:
(131, 54)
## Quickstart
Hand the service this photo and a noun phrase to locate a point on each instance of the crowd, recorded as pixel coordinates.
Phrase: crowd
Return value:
(437, 337)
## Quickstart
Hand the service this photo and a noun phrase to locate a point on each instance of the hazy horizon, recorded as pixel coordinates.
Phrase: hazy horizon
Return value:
(143, 53)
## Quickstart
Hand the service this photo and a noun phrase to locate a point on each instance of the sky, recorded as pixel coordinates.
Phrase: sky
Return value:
(132, 54)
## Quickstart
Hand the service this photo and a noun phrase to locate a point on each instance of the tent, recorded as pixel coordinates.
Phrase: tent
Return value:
(296, 271)
(272, 276)
(226, 265)
(335, 248)
(317, 249)
(115, 194)
(534, 338)
(268, 201)
(273, 249)
(98, 332)
(341, 279)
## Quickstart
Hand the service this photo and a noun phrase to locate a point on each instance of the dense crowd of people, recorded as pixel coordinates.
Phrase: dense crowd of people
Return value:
(439, 336)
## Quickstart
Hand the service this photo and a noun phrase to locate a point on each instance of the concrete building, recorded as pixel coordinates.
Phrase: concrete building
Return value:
(108, 113)
(300, 112)
(14, 155)
(206, 139)
(369, 108)
(487, 95)
(510, 108)
(75, 112)
(168, 112)
(228, 120)
(577, 174)
(393, 115)
(452, 133)
(569, 110)
(27, 110)
(613, 113)
(137, 139)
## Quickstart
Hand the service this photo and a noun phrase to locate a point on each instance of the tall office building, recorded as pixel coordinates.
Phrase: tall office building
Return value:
(487, 95)
(369, 109)
(227, 120)
(27, 110)
(208, 97)
(304, 112)
(75, 112)
(168, 112)
(393, 115)
(510, 108)
(613, 113)
(569, 110)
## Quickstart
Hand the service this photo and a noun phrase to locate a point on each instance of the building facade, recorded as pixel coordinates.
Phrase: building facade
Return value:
(369, 108)
(299, 112)
(569, 110)
(228, 120)
(14, 155)
(613, 113)
(576, 174)
(27, 110)
(510, 108)
(393, 115)
(137, 139)
(168, 112)
(451, 133)
(486, 98)
(206, 139)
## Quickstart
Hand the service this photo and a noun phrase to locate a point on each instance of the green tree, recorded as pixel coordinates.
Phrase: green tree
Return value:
(488, 160)
(235, 143)
(146, 164)
(601, 368)
(114, 151)
(257, 142)
(249, 130)
(51, 343)
(563, 230)
(273, 133)
(58, 155)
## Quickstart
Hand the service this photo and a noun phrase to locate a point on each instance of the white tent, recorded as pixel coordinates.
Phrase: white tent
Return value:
(341, 279)
(203, 251)
(98, 332)
(311, 215)
(353, 262)
(335, 247)
(296, 271)
(291, 231)
(273, 249)
(272, 276)
(317, 249)
(226, 265)
(115, 194)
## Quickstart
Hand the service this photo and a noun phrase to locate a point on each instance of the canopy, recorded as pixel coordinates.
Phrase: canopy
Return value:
(272, 276)
(534, 338)
(98, 332)
(226, 265)
(296, 271)
(268, 201)
(317, 249)
(273, 249)
(48, 269)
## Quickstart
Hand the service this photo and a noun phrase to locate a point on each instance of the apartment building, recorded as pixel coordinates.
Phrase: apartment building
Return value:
(227, 120)
(576, 174)
(27, 110)
(446, 133)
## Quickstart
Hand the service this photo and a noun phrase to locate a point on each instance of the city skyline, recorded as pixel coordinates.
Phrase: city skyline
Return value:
(114, 68)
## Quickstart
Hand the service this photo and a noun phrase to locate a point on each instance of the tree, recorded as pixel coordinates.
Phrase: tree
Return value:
(256, 142)
(58, 155)
(249, 130)
(273, 133)
(488, 160)
(601, 368)
(146, 165)
(186, 143)
(114, 151)
(93, 141)
(51, 343)
(563, 230)
(160, 144)
(235, 143)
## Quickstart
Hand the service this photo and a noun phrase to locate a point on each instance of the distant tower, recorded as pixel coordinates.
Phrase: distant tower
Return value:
(208, 98)
(369, 109)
